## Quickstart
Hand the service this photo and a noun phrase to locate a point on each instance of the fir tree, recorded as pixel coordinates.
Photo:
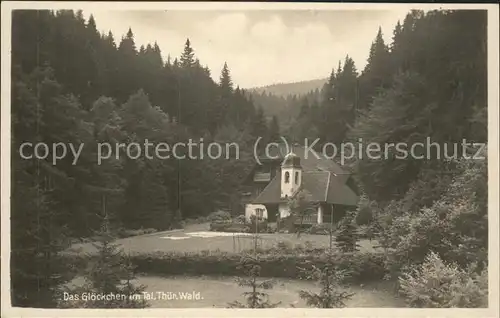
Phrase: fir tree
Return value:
(274, 130)
(229, 111)
(259, 125)
(127, 45)
(225, 79)
(110, 273)
(330, 279)
(187, 57)
(256, 298)
(37, 270)
(347, 237)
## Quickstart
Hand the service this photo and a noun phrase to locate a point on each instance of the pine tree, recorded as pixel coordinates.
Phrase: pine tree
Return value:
(330, 279)
(187, 58)
(347, 237)
(127, 68)
(378, 51)
(259, 125)
(274, 130)
(377, 72)
(339, 102)
(225, 80)
(110, 273)
(228, 111)
(127, 45)
(254, 298)
(37, 270)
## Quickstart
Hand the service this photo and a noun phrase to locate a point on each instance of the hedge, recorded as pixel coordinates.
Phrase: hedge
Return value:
(228, 227)
(233, 227)
(322, 229)
(364, 266)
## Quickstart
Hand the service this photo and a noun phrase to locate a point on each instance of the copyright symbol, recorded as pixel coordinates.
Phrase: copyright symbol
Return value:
(255, 151)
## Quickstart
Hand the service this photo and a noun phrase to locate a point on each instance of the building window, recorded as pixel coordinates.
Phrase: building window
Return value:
(287, 177)
(297, 177)
(259, 213)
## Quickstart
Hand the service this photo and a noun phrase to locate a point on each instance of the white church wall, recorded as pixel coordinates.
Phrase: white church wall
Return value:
(284, 210)
(251, 209)
(289, 188)
(320, 214)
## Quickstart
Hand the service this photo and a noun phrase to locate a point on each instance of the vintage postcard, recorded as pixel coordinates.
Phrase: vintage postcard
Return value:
(230, 159)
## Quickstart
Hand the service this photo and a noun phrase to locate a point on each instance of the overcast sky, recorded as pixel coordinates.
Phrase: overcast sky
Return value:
(260, 47)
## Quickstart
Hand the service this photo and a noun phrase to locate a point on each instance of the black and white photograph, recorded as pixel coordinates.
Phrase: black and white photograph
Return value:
(249, 155)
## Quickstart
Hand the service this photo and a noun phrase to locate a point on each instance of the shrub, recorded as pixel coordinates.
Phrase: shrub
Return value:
(284, 246)
(228, 227)
(123, 233)
(286, 224)
(271, 228)
(455, 226)
(365, 232)
(347, 236)
(219, 216)
(198, 220)
(299, 247)
(308, 245)
(240, 219)
(439, 285)
(322, 229)
(258, 225)
(364, 266)
(232, 227)
(274, 263)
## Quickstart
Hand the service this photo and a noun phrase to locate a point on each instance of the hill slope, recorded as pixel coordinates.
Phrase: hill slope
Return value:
(297, 88)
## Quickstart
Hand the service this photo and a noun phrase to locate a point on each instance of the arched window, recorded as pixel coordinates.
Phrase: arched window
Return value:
(287, 177)
(297, 177)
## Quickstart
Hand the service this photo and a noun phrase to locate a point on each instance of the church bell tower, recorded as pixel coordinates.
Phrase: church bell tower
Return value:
(291, 175)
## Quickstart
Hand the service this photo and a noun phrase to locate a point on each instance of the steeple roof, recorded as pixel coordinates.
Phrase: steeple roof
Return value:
(291, 161)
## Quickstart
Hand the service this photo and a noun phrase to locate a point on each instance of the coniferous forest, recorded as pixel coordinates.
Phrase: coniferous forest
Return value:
(73, 84)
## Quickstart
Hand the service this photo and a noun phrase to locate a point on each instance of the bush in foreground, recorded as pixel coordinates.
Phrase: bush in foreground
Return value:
(256, 297)
(436, 284)
(330, 279)
(110, 273)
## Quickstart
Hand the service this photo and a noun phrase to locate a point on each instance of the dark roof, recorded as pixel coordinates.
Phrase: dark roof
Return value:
(309, 160)
(323, 186)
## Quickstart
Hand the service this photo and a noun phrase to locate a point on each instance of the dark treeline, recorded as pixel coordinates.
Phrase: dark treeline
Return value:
(71, 84)
(427, 83)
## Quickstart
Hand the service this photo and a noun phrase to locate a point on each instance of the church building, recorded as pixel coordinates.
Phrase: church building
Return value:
(328, 185)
